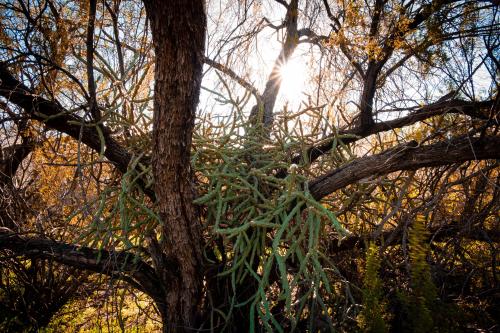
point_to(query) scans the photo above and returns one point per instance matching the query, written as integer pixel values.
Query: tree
(238, 223)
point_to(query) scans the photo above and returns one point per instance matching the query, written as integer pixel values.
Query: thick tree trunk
(178, 29)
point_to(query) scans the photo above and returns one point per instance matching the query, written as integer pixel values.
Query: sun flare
(293, 75)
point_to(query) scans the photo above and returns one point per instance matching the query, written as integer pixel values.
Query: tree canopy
(258, 165)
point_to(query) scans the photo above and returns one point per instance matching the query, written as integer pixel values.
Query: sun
(293, 76)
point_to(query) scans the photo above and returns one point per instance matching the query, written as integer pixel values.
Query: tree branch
(274, 80)
(56, 117)
(229, 72)
(94, 108)
(117, 264)
(406, 157)
(478, 110)
(393, 237)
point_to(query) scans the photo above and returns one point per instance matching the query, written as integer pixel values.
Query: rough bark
(406, 157)
(367, 97)
(178, 30)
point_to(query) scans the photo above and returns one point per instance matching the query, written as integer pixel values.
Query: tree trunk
(178, 30)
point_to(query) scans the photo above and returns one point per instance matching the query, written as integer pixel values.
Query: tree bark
(476, 110)
(409, 156)
(178, 30)
(273, 83)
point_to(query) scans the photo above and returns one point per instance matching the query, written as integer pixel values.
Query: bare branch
(94, 109)
(120, 265)
(56, 117)
(479, 110)
(229, 72)
(393, 237)
(409, 156)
